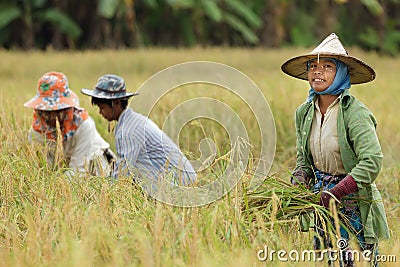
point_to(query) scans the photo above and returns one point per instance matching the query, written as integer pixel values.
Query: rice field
(47, 219)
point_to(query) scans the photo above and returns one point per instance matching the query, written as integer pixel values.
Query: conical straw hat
(330, 47)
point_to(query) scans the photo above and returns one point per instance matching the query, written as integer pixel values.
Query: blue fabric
(340, 83)
(350, 215)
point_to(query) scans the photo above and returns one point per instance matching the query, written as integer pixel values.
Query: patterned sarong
(350, 216)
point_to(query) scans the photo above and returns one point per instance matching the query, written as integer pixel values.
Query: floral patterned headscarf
(73, 119)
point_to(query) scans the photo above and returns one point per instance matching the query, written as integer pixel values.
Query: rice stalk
(279, 202)
(59, 150)
(292, 200)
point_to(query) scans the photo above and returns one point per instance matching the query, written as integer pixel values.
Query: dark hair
(96, 101)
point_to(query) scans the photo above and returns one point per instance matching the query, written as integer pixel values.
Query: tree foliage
(91, 24)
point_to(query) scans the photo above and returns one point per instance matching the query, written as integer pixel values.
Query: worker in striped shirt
(143, 149)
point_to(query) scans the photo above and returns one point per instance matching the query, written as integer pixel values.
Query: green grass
(48, 220)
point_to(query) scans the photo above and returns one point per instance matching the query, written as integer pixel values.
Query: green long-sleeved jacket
(361, 155)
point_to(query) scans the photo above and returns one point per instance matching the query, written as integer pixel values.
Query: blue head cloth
(340, 83)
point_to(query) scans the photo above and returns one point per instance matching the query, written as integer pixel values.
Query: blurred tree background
(96, 24)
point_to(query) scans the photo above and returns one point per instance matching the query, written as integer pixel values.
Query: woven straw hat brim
(104, 95)
(359, 71)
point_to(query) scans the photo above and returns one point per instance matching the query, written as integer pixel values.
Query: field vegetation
(47, 219)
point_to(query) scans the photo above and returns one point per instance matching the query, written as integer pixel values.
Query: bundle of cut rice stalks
(278, 201)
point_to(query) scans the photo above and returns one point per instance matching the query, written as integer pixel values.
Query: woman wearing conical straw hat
(338, 151)
(82, 148)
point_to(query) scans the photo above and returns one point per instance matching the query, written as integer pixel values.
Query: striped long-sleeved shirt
(146, 151)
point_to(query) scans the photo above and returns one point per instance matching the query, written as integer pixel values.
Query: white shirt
(85, 145)
(324, 143)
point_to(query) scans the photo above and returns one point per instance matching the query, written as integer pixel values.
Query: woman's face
(321, 74)
(51, 116)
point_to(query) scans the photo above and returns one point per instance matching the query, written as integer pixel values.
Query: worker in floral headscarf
(84, 150)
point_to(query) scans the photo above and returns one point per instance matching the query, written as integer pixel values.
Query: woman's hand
(345, 187)
(299, 177)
